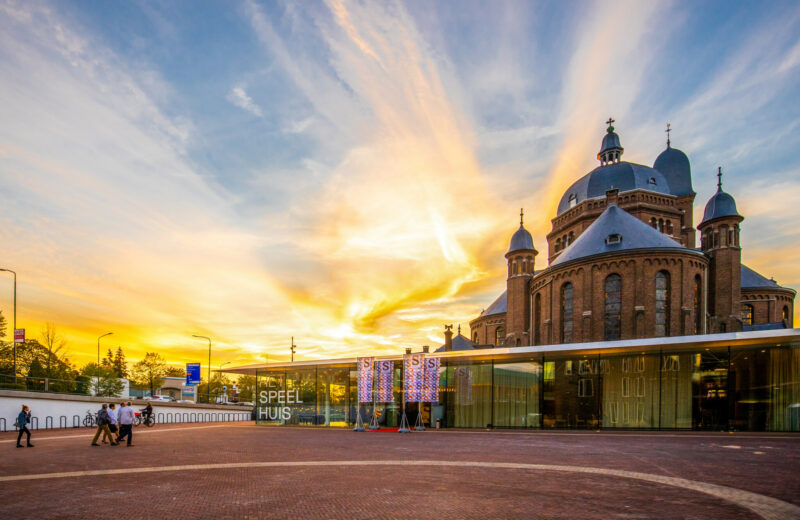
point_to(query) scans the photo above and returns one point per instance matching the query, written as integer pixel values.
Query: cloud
(238, 97)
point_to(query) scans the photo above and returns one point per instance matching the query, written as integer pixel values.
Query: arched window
(558, 244)
(475, 338)
(660, 225)
(499, 336)
(566, 313)
(747, 314)
(785, 313)
(669, 227)
(537, 319)
(613, 307)
(698, 304)
(571, 238)
(573, 200)
(662, 304)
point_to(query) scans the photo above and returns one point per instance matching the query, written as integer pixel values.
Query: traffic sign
(19, 335)
(192, 374)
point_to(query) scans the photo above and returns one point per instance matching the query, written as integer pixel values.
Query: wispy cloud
(238, 97)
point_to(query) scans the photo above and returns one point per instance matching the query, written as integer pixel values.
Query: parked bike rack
(193, 416)
(48, 423)
(185, 417)
(160, 417)
(35, 423)
(76, 421)
(169, 417)
(3, 424)
(62, 421)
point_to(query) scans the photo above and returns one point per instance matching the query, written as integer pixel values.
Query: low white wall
(60, 410)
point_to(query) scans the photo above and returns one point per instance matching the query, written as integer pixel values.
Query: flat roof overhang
(671, 344)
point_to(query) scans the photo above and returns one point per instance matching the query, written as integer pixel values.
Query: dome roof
(720, 205)
(623, 176)
(521, 240)
(674, 164)
(616, 230)
(610, 142)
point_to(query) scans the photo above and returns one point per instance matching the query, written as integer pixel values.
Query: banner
(365, 379)
(463, 377)
(414, 367)
(385, 371)
(430, 382)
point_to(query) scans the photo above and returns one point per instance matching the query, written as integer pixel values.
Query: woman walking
(23, 419)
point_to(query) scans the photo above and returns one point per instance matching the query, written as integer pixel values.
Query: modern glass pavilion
(745, 381)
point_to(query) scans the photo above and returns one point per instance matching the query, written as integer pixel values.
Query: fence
(161, 418)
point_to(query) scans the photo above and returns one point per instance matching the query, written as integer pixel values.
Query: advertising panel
(385, 372)
(414, 371)
(430, 383)
(365, 376)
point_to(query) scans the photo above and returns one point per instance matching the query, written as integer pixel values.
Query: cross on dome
(520, 216)
(719, 178)
(668, 130)
(609, 123)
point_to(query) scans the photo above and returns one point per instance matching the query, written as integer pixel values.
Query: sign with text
(273, 403)
(430, 381)
(385, 371)
(414, 367)
(19, 335)
(192, 373)
(365, 375)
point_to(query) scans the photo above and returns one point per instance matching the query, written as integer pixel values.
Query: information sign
(192, 373)
(19, 335)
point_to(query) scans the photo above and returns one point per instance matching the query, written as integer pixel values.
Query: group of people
(115, 425)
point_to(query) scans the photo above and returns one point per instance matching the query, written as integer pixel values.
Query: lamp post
(98, 347)
(208, 385)
(14, 332)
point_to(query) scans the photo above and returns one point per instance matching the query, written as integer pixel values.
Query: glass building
(745, 381)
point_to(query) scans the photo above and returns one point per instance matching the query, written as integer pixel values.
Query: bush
(12, 386)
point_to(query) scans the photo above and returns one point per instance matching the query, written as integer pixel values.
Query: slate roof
(499, 306)
(751, 279)
(764, 326)
(521, 240)
(623, 176)
(674, 164)
(459, 343)
(634, 234)
(720, 205)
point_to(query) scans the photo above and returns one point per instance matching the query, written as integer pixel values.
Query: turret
(720, 243)
(521, 256)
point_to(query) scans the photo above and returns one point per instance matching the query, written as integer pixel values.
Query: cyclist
(147, 412)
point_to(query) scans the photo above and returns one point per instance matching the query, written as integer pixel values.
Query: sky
(350, 173)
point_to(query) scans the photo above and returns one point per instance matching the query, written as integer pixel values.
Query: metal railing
(169, 418)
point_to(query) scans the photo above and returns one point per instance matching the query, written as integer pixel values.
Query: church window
(499, 336)
(475, 338)
(698, 307)
(571, 237)
(573, 200)
(660, 225)
(613, 238)
(715, 239)
(613, 307)
(662, 304)
(669, 227)
(785, 313)
(558, 244)
(537, 319)
(653, 223)
(566, 313)
(730, 237)
(652, 181)
(747, 314)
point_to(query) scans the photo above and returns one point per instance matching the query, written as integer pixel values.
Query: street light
(14, 333)
(208, 386)
(98, 347)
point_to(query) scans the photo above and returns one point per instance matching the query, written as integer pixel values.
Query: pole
(98, 346)
(208, 386)
(292, 348)
(14, 332)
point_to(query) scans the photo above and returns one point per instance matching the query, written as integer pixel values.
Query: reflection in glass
(516, 394)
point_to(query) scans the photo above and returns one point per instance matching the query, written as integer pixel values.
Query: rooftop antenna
(668, 130)
(292, 348)
(520, 216)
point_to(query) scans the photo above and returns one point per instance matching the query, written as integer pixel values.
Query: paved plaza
(244, 471)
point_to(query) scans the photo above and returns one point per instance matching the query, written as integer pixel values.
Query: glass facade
(750, 388)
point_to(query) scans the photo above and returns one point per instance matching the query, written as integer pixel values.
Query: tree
(120, 365)
(54, 342)
(104, 381)
(217, 382)
(173, 371)
(247, 388)
(149, 371)
(3, 325)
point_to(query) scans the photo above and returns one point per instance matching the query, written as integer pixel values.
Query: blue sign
(192, 373)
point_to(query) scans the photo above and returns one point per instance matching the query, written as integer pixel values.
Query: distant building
(623, 263)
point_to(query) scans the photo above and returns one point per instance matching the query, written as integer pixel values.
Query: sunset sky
(350, 173)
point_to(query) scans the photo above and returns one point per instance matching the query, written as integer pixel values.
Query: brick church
(623, 263)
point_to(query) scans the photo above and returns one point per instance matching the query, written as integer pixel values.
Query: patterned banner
(463, 376)
(385, 371)
(365, 379)
(414, 368)
(430, 383)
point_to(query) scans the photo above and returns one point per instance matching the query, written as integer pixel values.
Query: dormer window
(613, 238)
(573, 200)
(652, 181)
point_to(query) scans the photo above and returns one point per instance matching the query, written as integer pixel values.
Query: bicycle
(150, 422)
(90, 419)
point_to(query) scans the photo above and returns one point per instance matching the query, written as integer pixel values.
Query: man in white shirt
(113, 420)
(126, 415)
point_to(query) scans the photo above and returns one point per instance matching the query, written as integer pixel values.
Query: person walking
(112, 418)
(126, 415)
(23, 419)
(102, 427)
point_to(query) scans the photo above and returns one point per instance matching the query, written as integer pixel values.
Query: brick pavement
(763, 464)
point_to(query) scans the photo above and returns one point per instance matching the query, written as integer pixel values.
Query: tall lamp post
(98, 346)
(14, 332)
(208, 385)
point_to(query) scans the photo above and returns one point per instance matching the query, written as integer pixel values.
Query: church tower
(521, 257)
(720, 243)
(674, 165)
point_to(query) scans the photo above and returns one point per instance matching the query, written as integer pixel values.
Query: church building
(623, 263)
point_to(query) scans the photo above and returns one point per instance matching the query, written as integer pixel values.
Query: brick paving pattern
(761, 464)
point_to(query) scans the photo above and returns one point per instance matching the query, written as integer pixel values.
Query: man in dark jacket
(23, 419)
(102, 427)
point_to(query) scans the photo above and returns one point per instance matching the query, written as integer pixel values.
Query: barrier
(160, 417)
(34, 423)
(169, 417)
(193, 416)
(76, 421)
(3, 424)
(48, 423)
(62, 421)
(185, 417)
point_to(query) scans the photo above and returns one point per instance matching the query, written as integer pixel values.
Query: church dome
(674, 164)
(721, 204)
(521, 240)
